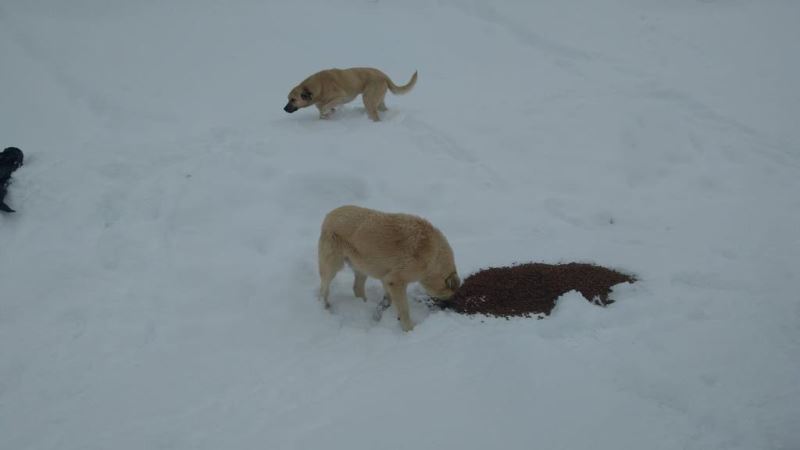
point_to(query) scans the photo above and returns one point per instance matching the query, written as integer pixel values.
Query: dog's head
(441, 280)
(442, 287)
(11, 157)
(300, 97)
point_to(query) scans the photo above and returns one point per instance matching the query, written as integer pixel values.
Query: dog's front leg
(385, 303)
(397, 294)
(359, 285)
(327, 109)
(324, 113)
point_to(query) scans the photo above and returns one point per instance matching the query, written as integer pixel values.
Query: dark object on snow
(532, 288)
(10, 160)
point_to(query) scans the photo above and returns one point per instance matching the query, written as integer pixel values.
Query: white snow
(158, 283)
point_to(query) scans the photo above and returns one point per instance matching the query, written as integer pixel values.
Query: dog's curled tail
(398, 90)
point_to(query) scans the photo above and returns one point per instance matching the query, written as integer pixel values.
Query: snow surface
(158, 284)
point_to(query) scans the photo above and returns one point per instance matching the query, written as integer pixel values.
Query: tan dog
(331, 88)
(397, 249)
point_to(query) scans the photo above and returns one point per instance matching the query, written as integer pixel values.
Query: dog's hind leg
(359, 284)
(372, 112)
(327, 271)
(382, 106)
(373, 97)
(331, 262)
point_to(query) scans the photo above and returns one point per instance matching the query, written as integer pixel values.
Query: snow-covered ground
(158, 284)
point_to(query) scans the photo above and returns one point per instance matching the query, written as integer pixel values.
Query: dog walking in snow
(397, 249)
(330, 88)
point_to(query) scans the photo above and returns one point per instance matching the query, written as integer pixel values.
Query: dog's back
(344, 220)
(377, 243)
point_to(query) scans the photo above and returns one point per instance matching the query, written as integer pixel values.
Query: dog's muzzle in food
(290, 108)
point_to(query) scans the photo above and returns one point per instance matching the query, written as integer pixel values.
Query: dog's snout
(290, 108)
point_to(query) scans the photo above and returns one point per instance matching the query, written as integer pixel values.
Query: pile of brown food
(532, 289)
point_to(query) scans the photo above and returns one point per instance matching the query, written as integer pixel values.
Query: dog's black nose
(290, 108)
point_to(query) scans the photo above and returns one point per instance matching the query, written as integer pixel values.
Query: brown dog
(331, 88)
(397, 249)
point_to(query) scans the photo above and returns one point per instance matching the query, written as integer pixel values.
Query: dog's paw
(382, 306)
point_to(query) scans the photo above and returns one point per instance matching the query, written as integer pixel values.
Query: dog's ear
(306, 95)
(452, 281)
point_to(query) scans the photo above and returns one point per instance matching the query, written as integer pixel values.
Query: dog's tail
(398, 90)
(327, 248)
(331, 260)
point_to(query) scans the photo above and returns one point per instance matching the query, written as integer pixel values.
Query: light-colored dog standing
(397, 249)
(333, 87)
